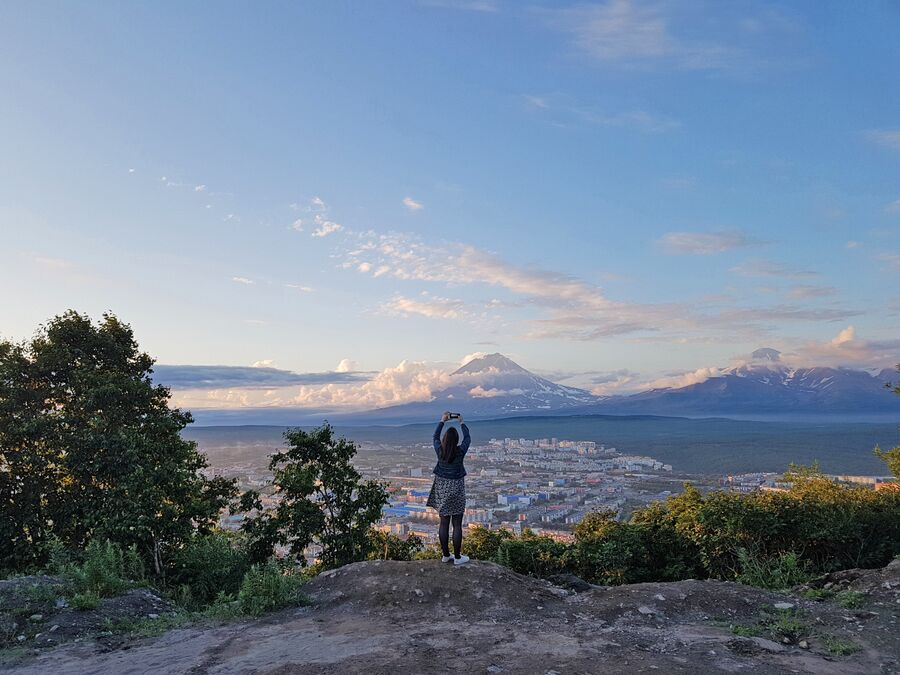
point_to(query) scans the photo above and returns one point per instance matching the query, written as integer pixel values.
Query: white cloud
(845, 336)
(325, 227)
(364, 267)
(848, 349)
(888, 138)
(346, 366)
(705, 243)
(852, 244)
(199, 188)
(243, 280)
(297, 225)
(412, 204)
(471, 357)
(430, 307)
(893, 207)
(265, 363)
(685, 379)
(299, 287)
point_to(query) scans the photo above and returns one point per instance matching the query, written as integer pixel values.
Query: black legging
(444, 534)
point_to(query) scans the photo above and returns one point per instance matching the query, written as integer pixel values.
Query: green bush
(206, 566)
(85, 601)
(481, 543)
(778, 572)
(268, 587)
(532, 554)
(105, 569)
(769, 539)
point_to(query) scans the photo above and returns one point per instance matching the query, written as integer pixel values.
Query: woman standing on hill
(448, 493)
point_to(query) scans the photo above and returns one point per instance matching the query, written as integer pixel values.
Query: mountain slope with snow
(766, 386)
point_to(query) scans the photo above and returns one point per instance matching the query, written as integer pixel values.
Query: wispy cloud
(412, 204)
(261, 376)
(487, 6)
(243, 280)
(298, 287)
(893, 207)
(566, 308)
(429, 306)
(633, 32)
(769, 268)
(705, 243)
(811, 291)
(651, 34)
(892, 260)
(888, 138)
(564, 111)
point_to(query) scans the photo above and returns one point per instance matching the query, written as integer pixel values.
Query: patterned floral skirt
(448, 496)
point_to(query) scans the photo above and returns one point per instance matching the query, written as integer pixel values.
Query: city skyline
(351, 200)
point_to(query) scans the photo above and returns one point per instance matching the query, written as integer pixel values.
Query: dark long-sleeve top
(454, 469)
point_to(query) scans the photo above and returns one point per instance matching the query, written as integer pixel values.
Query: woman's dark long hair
(449, 445)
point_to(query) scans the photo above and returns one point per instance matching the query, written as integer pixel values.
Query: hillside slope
(425, 617)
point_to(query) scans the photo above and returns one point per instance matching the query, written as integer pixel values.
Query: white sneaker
(446, 558)
(461, 560)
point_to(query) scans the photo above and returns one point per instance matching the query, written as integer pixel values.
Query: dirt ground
(384, 618)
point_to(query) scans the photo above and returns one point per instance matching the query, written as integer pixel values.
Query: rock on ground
(424, 617)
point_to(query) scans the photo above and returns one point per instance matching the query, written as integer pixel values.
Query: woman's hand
(445, 416)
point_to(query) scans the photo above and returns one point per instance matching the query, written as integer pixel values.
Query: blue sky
(610, 193)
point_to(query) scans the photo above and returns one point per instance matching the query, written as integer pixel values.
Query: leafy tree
(323, 500)
(386, 546)
(483, 544)
(89, 448)
(891, 457)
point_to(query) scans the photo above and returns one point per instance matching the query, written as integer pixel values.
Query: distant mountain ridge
(765, 385)
(495, 386)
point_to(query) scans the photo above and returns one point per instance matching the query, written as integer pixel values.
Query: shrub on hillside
(386, 546)
(483, 544)
(268, 587)
(779, 572)
(532, 554)
(106, 569)
(206, 566)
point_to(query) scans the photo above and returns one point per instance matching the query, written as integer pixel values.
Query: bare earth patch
(425, 617)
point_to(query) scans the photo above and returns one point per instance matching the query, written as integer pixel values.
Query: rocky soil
(425, 617)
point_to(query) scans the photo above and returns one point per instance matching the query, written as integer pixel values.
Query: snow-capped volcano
(494, 385)
(767, 386)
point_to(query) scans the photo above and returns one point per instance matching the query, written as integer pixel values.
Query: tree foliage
(89, 448)
(322, 500)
